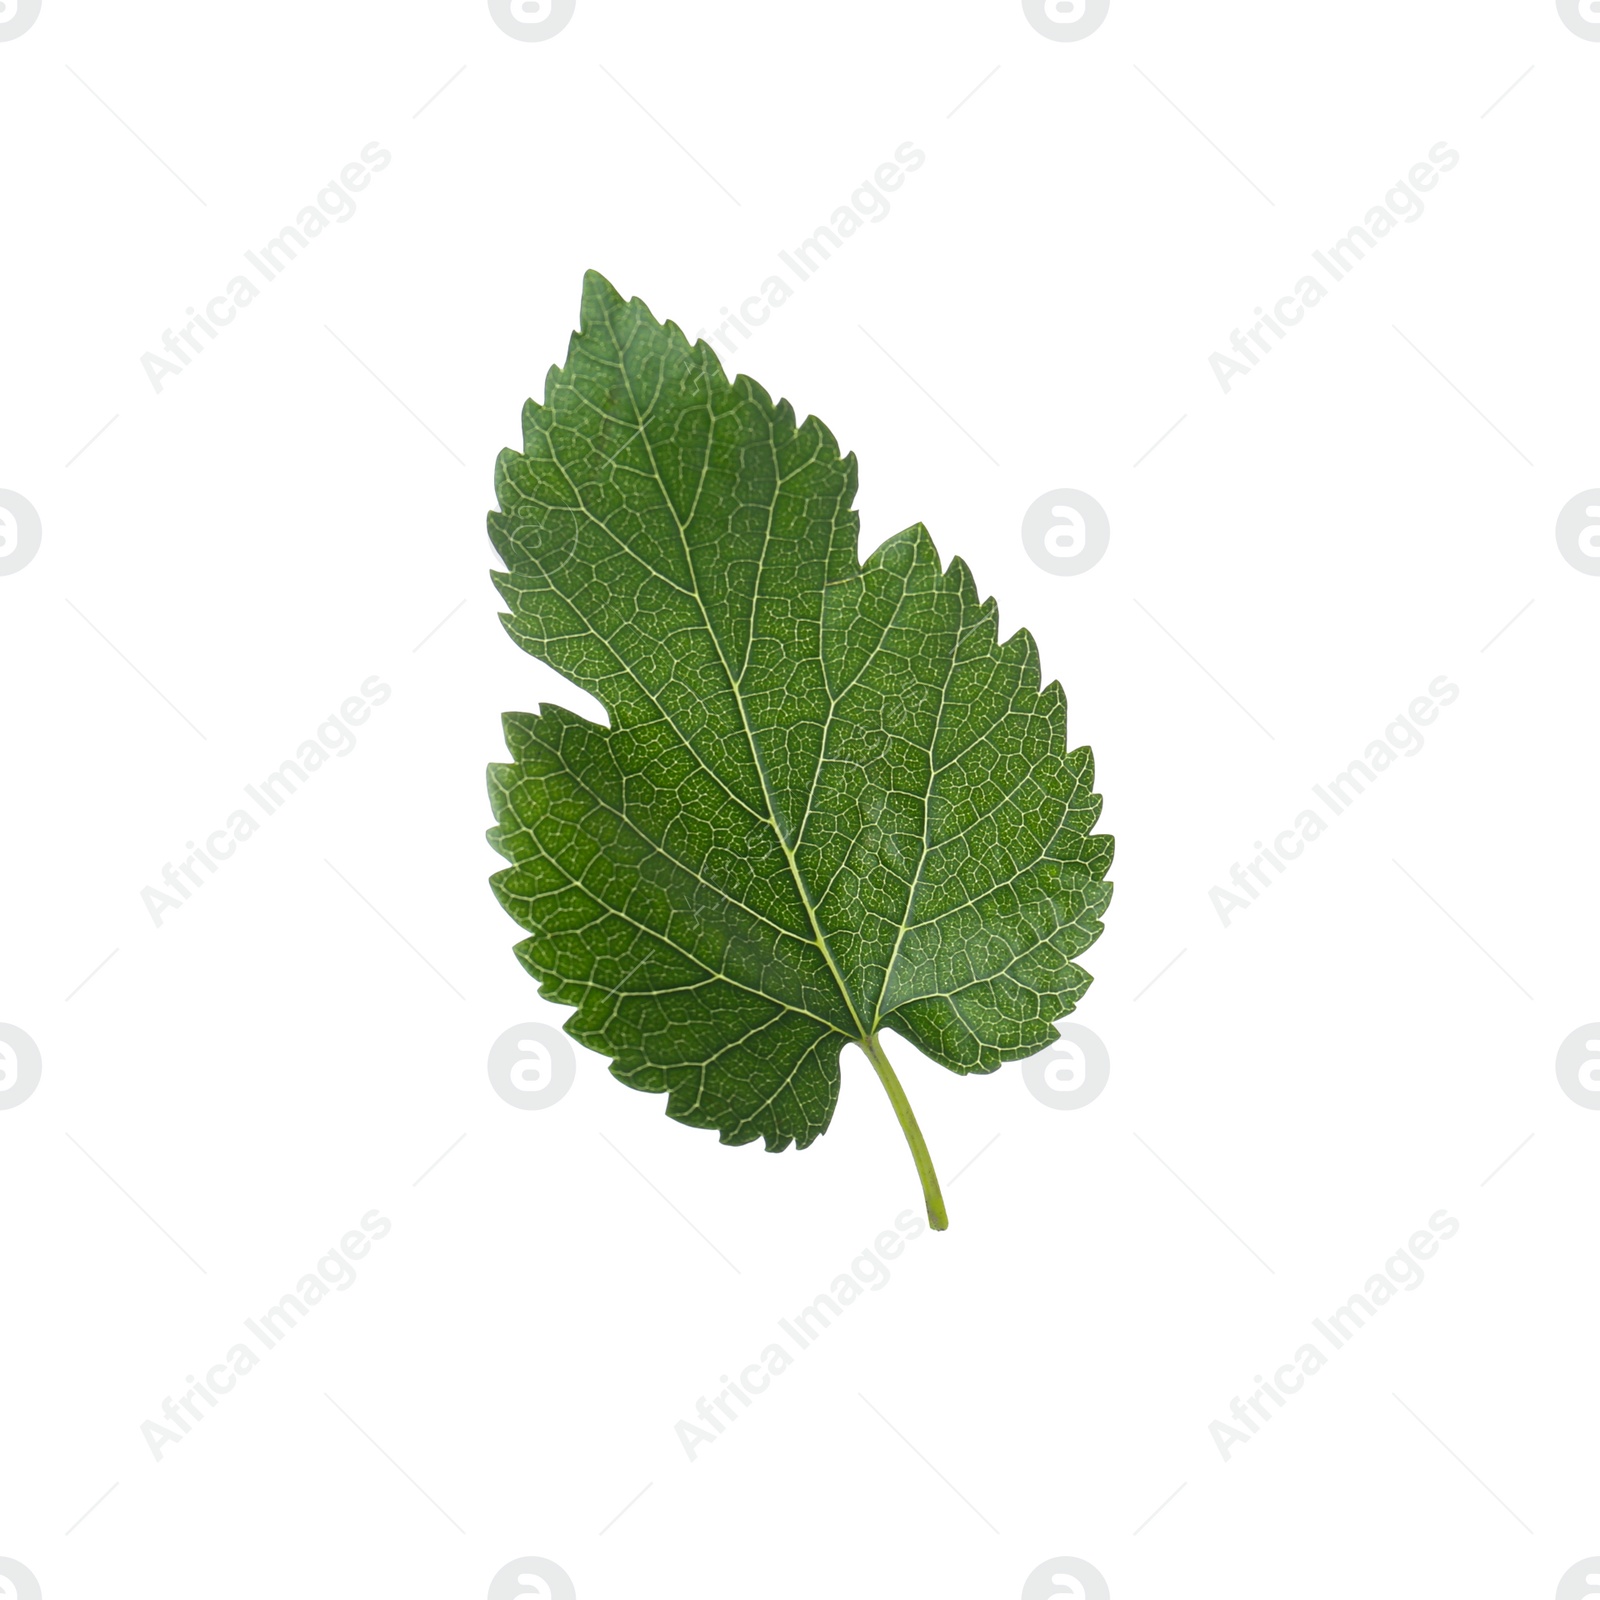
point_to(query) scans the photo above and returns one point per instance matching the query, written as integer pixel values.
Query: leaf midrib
(862, 1033)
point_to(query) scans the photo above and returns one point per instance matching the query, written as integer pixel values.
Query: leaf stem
(908, 1126)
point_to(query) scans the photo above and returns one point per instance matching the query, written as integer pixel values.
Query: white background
(1290, 1099)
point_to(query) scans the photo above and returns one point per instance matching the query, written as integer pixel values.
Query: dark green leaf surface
(830, 799)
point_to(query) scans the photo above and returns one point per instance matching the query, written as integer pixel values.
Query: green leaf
(830, 800)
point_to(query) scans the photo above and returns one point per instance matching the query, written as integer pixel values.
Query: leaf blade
(829, 800)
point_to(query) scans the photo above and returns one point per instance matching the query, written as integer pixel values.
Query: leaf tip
(598, 294)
